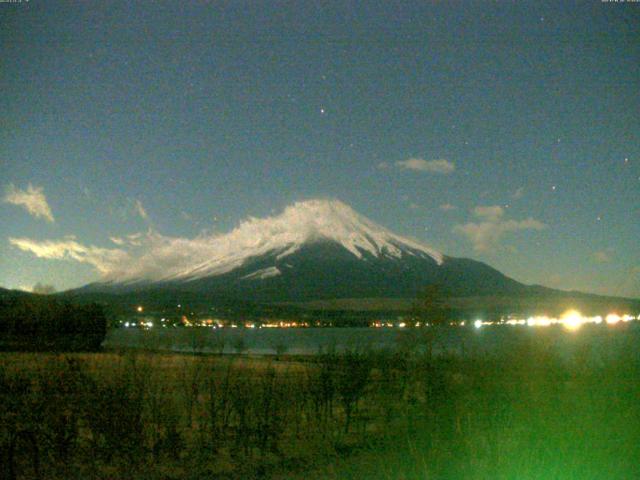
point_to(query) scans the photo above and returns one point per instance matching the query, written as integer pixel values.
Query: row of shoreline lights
(571, 320)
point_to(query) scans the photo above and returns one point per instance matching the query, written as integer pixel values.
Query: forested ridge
(42, 322)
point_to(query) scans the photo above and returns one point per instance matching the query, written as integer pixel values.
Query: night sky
(508, 133)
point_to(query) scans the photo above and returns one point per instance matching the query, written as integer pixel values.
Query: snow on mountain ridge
(281, 235)
(263, 273)
(300, 223)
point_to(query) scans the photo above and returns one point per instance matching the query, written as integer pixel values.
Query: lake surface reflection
(598, 341)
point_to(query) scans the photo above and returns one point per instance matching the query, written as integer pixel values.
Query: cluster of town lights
(571, 320)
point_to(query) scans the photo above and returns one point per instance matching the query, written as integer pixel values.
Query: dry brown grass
(521, 412)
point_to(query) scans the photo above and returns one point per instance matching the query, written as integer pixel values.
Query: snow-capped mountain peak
(304, 222)
(313, 250)
(334, 220)
(300, 223)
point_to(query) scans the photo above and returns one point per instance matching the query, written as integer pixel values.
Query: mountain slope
(315, 250)
(324, 269)
(300, 224)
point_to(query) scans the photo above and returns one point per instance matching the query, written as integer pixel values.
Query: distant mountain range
(322, 254)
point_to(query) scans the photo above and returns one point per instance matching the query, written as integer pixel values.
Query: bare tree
(431, 308)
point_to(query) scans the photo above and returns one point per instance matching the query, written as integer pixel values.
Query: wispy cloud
(153, 256)
(133, 240)
(32, 199)
(103, 259)
(140, 255)
(491, 227)
(491, 213)
(429, 166)
(140, 210)
(118, 240)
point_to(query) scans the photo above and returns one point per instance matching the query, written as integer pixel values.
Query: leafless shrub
(218, 404)
(352, 377)
(192, 371)
(114, 410)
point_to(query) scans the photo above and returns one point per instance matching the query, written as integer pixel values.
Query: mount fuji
(316, 250)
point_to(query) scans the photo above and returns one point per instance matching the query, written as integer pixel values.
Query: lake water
(599, 340)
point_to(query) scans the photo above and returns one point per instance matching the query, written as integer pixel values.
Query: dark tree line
(431, 306)
(32, 322)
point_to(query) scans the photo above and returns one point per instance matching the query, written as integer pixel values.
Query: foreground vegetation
(527, 411)
(30, 322)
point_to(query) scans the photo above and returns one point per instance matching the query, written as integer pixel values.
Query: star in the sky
(322, 111)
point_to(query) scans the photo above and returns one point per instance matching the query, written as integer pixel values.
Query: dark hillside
(40, 322)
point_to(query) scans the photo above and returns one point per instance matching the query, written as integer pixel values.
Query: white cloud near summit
(153, 256)
(428, 166)
(103, 259)
(140, 210)
(32, 199)
(148, 255)
(486, 233)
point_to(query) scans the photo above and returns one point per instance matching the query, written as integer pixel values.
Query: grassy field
(524, 412)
